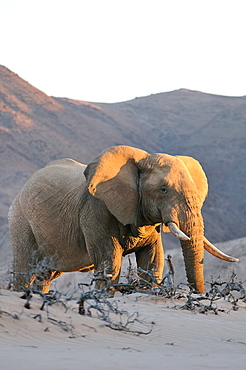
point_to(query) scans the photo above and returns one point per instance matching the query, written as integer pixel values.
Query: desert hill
(36, 129)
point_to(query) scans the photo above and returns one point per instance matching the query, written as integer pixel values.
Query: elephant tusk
(176, 231)
(217, 253)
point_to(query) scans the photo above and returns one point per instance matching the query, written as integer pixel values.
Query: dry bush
(100, 302)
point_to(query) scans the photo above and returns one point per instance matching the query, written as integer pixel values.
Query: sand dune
(178, 338)
(59, 338)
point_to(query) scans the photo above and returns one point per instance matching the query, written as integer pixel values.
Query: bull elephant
(87, 217)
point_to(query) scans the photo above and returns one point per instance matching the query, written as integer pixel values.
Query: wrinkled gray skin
(72, 217)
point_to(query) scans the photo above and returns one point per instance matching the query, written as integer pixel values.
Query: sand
(58, 337)
(166, 336)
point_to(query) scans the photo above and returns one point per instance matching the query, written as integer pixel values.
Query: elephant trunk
(193, 250)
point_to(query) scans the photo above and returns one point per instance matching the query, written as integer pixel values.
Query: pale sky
(112, 50)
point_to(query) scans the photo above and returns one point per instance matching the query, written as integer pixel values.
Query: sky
(113, 50)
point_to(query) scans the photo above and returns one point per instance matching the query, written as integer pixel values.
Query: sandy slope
(59, 338)
(179, 338)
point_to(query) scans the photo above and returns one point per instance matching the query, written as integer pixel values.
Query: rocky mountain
(36, 129)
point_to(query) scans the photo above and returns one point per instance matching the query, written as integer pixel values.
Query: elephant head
(143, 189)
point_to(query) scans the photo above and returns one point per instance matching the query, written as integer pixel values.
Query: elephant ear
(198, 176)
(113, 178)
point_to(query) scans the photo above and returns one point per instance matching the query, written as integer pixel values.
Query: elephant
(73, 217)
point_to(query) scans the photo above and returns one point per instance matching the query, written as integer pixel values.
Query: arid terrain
(36, 129)
(135, 331)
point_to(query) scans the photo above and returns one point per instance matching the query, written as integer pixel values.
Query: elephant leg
(43, 281)
(107, 263)
(105, 279)
(29, 265)
(151, 259)
(24, 248)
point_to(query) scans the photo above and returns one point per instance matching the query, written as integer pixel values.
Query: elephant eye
(163, 189)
